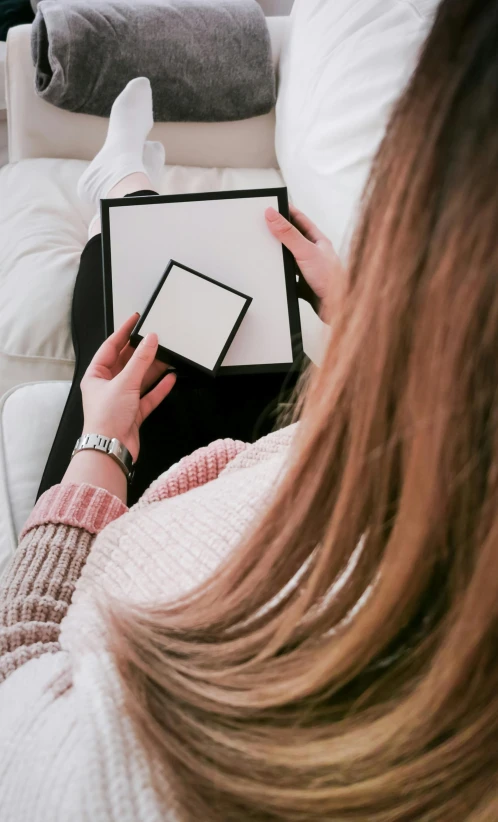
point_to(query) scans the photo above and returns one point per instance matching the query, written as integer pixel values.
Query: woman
(337, 659)
(200, 409)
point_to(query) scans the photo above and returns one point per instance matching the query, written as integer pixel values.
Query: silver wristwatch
(111, 446)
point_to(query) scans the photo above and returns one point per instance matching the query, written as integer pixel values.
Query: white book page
(193, 317)
(227, 240)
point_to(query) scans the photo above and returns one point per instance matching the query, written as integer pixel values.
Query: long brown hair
(266, 699)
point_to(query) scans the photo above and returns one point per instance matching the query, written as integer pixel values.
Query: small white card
(195, 317)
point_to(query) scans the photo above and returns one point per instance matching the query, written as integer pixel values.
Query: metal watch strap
(110, 446)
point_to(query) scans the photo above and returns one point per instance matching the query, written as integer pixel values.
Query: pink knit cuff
(79, 506)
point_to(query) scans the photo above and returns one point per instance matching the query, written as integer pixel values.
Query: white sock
(153, 160)
(125, 150)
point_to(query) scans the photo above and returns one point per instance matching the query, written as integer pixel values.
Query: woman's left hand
(314, 254)
(115, 386)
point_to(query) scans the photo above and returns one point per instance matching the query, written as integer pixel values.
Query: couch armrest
(38, 129)
(25, 442)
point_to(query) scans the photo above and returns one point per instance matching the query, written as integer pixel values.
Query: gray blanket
(207, 60)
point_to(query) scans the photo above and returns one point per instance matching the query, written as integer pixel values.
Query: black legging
(200, 409)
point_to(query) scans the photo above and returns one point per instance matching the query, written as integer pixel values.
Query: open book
(222, 235)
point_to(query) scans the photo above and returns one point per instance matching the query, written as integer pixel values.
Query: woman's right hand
(121, 387)
(116, 388)
(314, 254)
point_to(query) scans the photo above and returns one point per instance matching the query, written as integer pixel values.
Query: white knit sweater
(67, 750)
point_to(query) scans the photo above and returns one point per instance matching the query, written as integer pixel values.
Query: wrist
(112, 431)
(110, 446)
(105, 429)
(97, 469)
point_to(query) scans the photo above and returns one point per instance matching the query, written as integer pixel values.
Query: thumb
(140, 362)
(302, 249)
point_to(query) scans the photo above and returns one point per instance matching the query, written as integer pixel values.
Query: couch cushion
(43, 229)
(3, 112)
(343, 65)
(4, 140)
(3, 55)
(29, 416)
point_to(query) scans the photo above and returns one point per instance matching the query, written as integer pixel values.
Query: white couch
(340, 67)
(4, 154)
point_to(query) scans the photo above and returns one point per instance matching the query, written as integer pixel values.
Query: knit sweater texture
(67, 747)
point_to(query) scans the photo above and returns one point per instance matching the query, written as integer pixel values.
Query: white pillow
(342, 68)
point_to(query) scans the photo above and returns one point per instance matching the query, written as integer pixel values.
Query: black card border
(171, 357)
(290, 268)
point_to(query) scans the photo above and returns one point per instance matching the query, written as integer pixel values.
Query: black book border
(290, 268)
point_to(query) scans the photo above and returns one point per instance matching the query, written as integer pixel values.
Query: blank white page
(227, 240)
(193, 317)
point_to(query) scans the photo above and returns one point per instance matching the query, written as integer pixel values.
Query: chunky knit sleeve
(37, 587)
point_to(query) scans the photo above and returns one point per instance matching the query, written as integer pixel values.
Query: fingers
(111, 348)
(153, 375)
(306, 226)
(156, 370)
(136, 368)
(291, 237)
(124, 357)
(157, 395)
